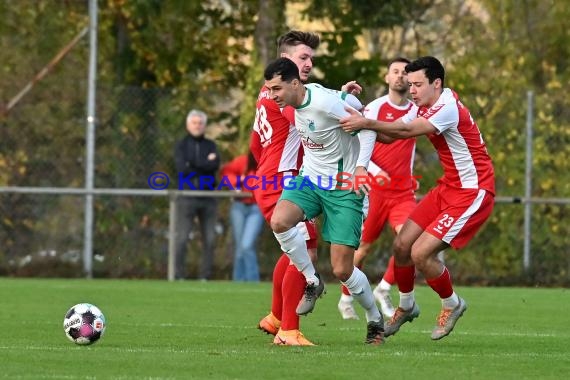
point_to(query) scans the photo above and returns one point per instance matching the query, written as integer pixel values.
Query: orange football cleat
(269, 324)
(291, 338)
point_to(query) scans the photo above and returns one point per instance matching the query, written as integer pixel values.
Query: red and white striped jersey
(274, 141)
(397, 158)
(459, 144)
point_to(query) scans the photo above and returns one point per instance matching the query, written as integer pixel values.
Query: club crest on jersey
(311, 125)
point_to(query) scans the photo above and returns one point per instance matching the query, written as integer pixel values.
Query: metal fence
(75, 157)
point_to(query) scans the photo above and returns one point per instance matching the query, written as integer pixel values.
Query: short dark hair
(296, 37)
(284, 67)
(432, 67)
(398, 59)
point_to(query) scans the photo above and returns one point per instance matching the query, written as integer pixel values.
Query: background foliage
(158, 59)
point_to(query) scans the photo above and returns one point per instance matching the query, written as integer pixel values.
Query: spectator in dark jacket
(197, 158)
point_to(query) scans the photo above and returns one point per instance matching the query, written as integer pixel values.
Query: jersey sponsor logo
(389, 116)
(310, 144)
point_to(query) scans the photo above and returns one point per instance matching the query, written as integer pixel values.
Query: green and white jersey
(329, 152)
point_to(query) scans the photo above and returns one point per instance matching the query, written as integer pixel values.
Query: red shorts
(382, 209)
(453, 215)
(267, 196)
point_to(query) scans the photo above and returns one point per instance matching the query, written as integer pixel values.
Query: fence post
(90, 142)
(171, 236)
(528, 183)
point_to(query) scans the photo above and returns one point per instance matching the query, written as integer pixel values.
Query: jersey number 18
(262, 126)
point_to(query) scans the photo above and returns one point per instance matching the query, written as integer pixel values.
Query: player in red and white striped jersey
(453, 211)
(392, 199)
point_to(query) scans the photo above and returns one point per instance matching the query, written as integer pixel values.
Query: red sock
(293, 288)
(405, 277)
(278, 275)
(389, 276)
(442, 284)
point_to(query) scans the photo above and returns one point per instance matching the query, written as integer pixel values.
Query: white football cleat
(383, 297)
(347, 311)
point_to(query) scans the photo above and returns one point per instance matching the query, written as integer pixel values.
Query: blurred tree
(158, 59)
(498, 52)
(46, 123)
(268, 27)
(193, 49)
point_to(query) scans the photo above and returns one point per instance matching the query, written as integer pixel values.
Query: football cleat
(309, 299)
(346, 310)
(400, 317)
(291, 338)
(383, 297)
(269, 324)
(375, 333)
(447, 319)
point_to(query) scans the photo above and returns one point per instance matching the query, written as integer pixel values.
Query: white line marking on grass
(313, 351)
(191, 325)
(515, 355)
(514, 334)
(483, 333)
(351, 329)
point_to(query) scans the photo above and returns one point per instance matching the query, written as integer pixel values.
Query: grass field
(182, 330)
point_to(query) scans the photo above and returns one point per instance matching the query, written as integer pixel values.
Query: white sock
(294, 246)
(384, 285)
(345, 298)
(407, 300)
(451, 302)
(361, 291)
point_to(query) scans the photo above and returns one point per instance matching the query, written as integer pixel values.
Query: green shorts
(341, 209)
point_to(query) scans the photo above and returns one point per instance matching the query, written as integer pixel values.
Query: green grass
(161, 330)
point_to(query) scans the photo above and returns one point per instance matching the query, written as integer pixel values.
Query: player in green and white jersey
(332, 183)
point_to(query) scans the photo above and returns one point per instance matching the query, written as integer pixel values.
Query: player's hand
(352, 88)
(354, 122)
(360, 181)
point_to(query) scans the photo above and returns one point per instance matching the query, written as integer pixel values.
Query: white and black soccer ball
(84, 324)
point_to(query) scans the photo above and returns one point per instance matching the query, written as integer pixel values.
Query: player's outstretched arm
(354, 122)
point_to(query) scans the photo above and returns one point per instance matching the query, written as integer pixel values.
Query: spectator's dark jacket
(191, 157)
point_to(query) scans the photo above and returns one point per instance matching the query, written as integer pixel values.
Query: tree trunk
(270, 17)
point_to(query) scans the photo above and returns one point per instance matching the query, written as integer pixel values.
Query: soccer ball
(84, 324)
